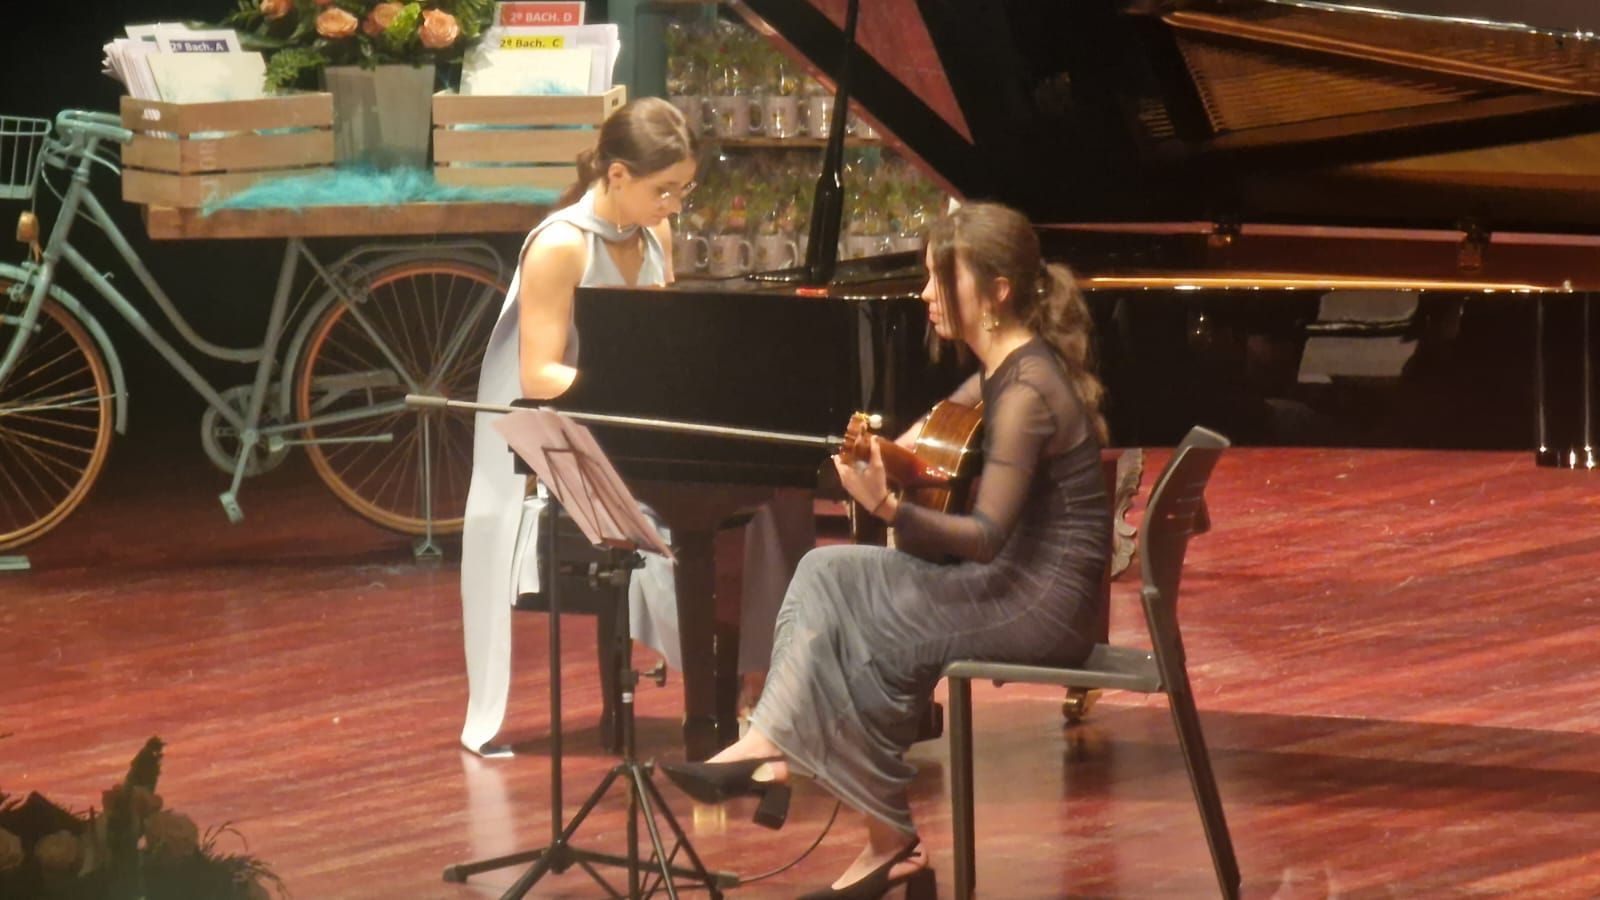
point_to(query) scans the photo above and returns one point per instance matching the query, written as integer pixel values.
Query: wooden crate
(516, 141)
(188, 154)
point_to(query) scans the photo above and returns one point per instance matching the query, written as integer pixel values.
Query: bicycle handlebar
(73, 123)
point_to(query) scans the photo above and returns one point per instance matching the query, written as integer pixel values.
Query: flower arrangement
(301, 36)
(134, 849)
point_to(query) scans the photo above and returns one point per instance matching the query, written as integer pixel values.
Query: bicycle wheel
(422, 326)
(55, 426)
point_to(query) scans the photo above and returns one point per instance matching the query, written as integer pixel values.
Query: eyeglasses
(681, 194)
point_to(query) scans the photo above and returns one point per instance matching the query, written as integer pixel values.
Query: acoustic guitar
(936, 473)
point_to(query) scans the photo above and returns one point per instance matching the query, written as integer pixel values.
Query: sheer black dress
(864, 632)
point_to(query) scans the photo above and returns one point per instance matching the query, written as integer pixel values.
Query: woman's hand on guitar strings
(867, 482)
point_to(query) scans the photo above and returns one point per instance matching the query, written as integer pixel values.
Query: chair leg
(1193, 744)
(961, 787)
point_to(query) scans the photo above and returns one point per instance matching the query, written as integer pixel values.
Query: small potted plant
(379, 59)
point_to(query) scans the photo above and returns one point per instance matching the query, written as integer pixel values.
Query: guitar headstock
(858, 432)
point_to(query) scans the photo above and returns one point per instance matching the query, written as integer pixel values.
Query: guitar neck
(906, 469)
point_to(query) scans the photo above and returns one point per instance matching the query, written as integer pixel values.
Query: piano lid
(1388, 113)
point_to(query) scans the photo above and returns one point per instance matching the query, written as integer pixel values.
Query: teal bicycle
(345, 340)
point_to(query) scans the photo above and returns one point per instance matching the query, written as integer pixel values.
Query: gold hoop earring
(988, 320)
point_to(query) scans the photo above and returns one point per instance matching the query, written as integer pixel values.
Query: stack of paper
(174, 63)
(521, 60)
(125, 61)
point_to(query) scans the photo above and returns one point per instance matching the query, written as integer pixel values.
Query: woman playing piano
(611, 229)
(864, 632)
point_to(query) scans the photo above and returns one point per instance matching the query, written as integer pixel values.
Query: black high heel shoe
(919, 883)
(712, 782)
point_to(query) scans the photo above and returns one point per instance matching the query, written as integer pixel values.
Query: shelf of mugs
(766, 120)
(751, 212)
(763, 143)
(733, 85)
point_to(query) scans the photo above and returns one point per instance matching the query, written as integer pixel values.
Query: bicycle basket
(21, 139)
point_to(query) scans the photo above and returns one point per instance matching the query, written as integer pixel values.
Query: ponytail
(646, 135)
(994, 242)
(589, 171)
(1061, 316)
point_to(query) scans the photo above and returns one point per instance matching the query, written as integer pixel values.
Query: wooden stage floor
(1396, 657)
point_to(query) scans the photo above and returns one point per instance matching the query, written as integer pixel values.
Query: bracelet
(879, 505)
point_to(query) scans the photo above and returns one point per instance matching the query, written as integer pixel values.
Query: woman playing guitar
(865, 631)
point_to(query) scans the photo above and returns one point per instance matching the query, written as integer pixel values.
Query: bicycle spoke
(55, 422)
(399, 447)
(431, 319)
(397, 336)
(24, 440)
(47, 465)
(24, 377)
(28, 414)
(364, 450)
(32, 512)
(409, 335)
(358, 353)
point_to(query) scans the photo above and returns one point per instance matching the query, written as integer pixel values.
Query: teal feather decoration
(357, 186)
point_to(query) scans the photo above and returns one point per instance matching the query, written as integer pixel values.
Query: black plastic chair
(1176, 511)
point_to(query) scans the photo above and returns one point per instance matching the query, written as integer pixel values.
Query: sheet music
(615, 493)
(571, 465)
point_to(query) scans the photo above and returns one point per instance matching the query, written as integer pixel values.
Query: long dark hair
(995, 242)
(646, 135)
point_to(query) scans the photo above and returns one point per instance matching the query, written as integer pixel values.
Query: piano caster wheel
(658, 674)
(1078, 703)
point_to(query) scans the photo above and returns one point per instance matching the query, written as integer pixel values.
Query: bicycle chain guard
(221, 440)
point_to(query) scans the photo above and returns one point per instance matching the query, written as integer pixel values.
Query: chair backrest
(1176, 511)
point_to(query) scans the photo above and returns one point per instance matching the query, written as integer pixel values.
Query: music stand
(578, 475)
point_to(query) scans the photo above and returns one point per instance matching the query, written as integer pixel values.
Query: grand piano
(1299, 222)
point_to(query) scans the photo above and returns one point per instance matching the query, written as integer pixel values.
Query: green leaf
(403, 30)
(288, 64)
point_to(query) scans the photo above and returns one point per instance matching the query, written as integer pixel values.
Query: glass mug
(732, 116)
(782, 116)
(730, 255)
(819, 114)
(857, 127)
(693, 107)
(775, 251)
(906, 243)
(691, 253)
(857, 246)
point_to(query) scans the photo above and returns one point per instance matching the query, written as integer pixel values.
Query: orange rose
(378, 20)
(334, 23)
(276, 9)
(439, 29)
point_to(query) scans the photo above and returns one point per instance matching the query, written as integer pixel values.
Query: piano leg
(708, 638)
(697, 633)
(1564, 382)
(728, 606)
